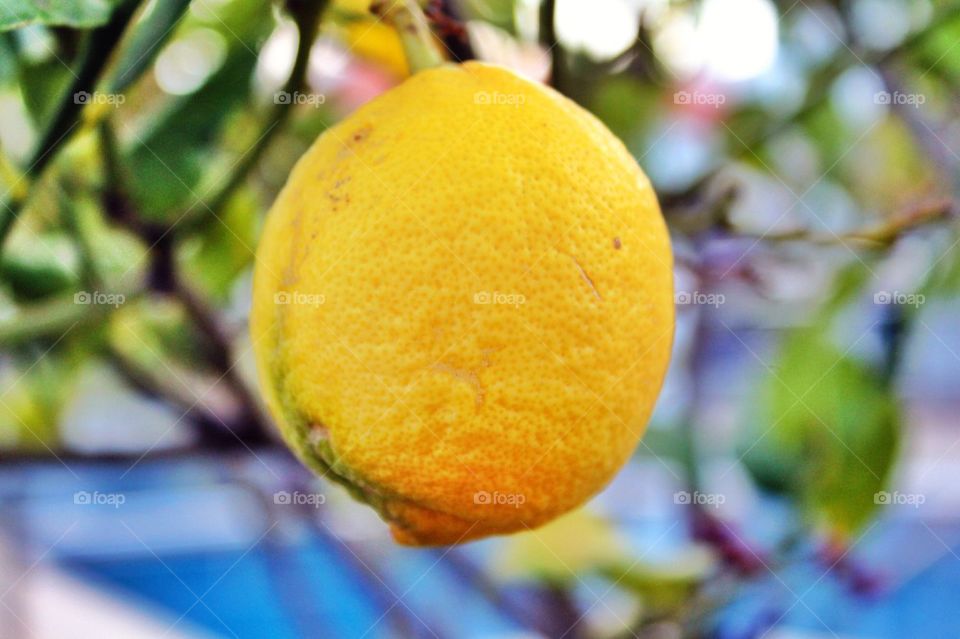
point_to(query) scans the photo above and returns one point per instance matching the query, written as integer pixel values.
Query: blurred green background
(798, 477)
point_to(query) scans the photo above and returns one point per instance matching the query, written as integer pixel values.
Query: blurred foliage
(563, 550)
(79, 13)
(130, 216)
(827, 433)
(169, 158)
(38, 267)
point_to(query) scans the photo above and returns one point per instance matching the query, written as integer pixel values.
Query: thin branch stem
(159, 385)
(222, 358)
(877, 236)
(408, 19)
(251, 423)
(548, 38)
(50, 320)
(100, 46)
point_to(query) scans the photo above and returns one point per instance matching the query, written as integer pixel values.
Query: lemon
(368, 37)
(463, 305)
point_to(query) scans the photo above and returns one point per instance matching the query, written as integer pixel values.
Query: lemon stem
(419, 45)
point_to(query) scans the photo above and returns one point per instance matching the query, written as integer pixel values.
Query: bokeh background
(799, 477)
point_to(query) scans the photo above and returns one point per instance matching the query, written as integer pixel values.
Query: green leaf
(35, 392)
(562, 550)
(118, 260)
(825, 434)
(624, 105)
(8, 59)
(664, 588)
(224, 247)
(168, 163)
(147, 38)
(38, 266)
(174, 156)
(80, 14)
(497, 12)
(43, 80)
(155, 333)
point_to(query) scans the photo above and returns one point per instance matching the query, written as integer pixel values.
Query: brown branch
(249, 422)
(449, 26)
(880, 235)
(222, 358)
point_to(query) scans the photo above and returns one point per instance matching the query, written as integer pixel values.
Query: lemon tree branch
(102, 42)
(407, 17)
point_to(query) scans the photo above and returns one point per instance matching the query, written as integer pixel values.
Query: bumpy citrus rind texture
(463, 305)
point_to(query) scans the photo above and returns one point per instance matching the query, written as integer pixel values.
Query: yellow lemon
(463, 305)
(368, 37)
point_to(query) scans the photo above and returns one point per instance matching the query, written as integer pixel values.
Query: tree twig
(879, 235)
(222, 358)
(101, 44)
(548, 38)
(448, 25)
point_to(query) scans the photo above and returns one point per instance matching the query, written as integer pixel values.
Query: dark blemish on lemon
(586, 278)
(616, 243)
(333, 193)
(361, 134)
(318, 433)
